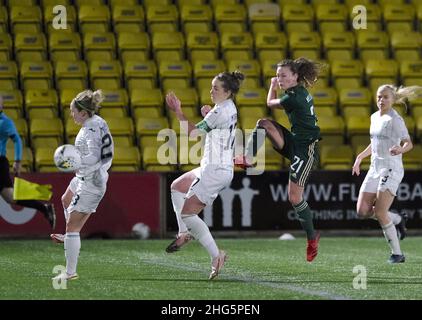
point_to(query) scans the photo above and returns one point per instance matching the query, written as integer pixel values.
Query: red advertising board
(130, 198)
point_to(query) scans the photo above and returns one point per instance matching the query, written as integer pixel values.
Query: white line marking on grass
(249, 279)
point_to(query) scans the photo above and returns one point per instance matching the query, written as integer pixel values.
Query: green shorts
(303, 155)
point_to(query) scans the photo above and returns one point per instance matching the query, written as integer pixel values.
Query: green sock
(255, 141)
(304, 214)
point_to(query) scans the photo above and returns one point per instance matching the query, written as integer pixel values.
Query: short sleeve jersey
(299, 107)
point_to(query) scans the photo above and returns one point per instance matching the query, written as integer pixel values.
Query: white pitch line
(249, 279)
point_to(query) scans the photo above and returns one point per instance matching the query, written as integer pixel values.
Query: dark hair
(307, 70)
(231, 81)
(89, 101)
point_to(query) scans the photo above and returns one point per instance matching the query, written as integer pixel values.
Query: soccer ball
(141, 230)
(67, 158)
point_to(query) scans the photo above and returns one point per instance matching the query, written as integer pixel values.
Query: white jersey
(386, 131)
(221, 124)
(96, 146)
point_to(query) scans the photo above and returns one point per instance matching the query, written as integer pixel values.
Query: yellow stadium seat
(305, 43)
(270, 27)
(329, 15)
(44, 160)
(250, 96)
(8, 75)
(332, 128)
(94, 18)
(341, 69)
(413, 158)
(237, 43)
(372, 45)
(381, 71)
(193, 13)
(207, 69)
(12, 113)
(410, 124)
(355, 97)
(64, 46)
(50, 142)
(250, 68)
(406, 45)
(45, 3)
(133, 46)
(189, 27)
(339, 44)
(175, 124)
(398, 13)
(188, 96)
(265, 14)
(46, 128)
(161, 161)
(281, 117)
(12, 99)
(275, 41)
(22, 128)
(205, 97)
(230, 13)
(41, 99)
(269, 69)
(122, 126)
(172, 42)
(23, 18)
(27, 160)
(352, 111)
(324, 97)
(71, 130)
(80, 3)
(134, 71)
(198, 42)
(126, 159)
(71, 75)
(163, 14)
(128, 17)
(247, 123)
(36, 75)
(358, 125)
(99, 46)
(5, 46)
(146, 98)
(339, 156)
(252, 111)
(175, 70)
(373, 14)
(4, 20)
(50, 14)
(105, 74)
(150, 126)
(30, 45)
(147, 113)
(117, 100)
(297, 17)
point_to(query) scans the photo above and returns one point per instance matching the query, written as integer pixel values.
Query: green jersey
(299, 106)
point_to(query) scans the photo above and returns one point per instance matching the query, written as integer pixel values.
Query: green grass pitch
(259, 269)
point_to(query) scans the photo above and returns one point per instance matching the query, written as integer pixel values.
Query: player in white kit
(87, 188)
(197, 188)
(389, 140)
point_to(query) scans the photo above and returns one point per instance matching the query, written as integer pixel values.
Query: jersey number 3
(106, 143)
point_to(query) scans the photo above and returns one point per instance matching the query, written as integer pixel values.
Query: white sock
(390, 234)
(201, 232)
(72, 245)
(395, 218)
(178, 200)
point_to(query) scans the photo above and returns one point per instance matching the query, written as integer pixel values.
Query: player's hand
(205, 109)
(17, 168)
(356, 167)
(173, 102)
(274, 82)
(395, 150)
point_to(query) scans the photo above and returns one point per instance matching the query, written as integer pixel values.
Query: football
(141, 230)
(67, 158)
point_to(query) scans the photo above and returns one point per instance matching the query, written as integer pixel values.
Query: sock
(38, 205)
(254, 143)
(201, 232)
(304, 215)
(72, 245)
(178, 200)
(390, 234)
(395, 218)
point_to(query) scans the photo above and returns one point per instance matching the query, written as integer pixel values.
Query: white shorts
(209, 182)
(87, 193)
(387, 179)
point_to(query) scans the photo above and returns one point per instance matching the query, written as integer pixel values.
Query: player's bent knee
(364, 213)
(263, 123)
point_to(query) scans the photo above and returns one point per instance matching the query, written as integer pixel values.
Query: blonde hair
(89, 101)
(402, 94)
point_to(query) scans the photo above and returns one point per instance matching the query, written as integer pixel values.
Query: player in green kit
(298, 145)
